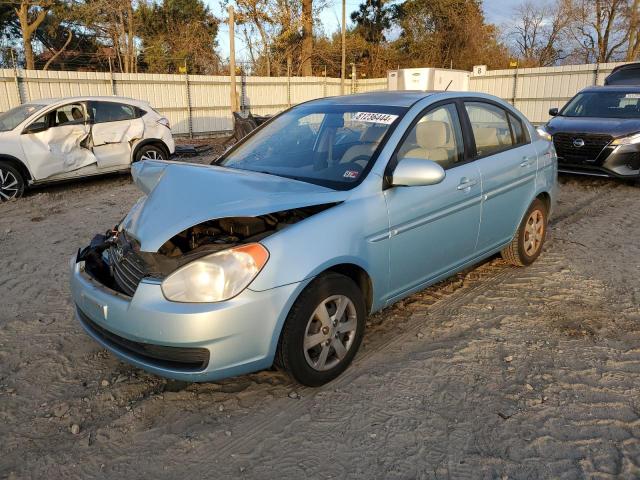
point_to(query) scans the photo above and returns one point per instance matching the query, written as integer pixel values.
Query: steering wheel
(358, 158)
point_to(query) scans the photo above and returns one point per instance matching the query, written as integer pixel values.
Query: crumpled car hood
(181, 195)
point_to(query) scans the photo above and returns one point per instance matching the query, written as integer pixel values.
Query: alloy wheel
(9, 185)
(330, 332)
(534, 232)
(152, 155)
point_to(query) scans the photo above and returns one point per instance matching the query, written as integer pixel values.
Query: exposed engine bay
(116, 261)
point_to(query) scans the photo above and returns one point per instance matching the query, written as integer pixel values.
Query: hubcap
(330, 332)
(534, 232)
(152, 155)
(9, 185)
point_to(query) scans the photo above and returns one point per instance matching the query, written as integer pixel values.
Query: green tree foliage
(372, 19)
(444, 33)
(175, 31)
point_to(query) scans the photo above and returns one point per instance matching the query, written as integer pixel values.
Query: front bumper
(623, 162)
(148, 331)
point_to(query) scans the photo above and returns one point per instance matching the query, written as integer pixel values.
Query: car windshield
(603, 105)
(14, 117)
(329, 145)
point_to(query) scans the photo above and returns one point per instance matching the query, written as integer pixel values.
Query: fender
(149, 141)
(20, 165)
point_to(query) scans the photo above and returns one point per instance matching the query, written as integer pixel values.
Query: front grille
(186, 359)
(127, 266)
(593, 151)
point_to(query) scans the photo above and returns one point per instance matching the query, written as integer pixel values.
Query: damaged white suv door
(115, 127)
(51, 140)
(57, 142)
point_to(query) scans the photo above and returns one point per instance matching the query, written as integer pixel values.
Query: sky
(496, 11)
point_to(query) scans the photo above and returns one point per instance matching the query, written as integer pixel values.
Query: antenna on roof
(450, 82)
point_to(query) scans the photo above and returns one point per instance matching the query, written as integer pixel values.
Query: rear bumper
(191, 342)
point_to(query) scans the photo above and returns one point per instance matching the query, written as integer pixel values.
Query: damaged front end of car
(116, 260)
(222, 210)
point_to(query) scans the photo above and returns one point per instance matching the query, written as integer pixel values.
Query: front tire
(528, 241)
(12, 183)
(323, 330)
(151, 152)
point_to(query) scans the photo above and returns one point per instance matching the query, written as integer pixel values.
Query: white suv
(60, 139)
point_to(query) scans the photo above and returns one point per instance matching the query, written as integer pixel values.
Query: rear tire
(12, 183)
(528, 241)
(151, 152)
(323, 330)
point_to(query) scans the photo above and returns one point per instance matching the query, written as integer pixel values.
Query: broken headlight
(216, 277)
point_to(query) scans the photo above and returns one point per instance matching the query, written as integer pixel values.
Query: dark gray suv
(598, 132)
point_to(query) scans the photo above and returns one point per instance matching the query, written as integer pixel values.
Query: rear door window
(520, 136)
(491, 129)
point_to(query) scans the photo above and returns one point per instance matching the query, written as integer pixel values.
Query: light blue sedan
(336, 208)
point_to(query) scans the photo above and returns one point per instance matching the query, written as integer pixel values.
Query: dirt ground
(499, 372)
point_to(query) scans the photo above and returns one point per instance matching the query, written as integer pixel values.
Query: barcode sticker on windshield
(373, 117)
(632, 95)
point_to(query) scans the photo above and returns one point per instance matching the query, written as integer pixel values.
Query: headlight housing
(216, 277)
(542, 131)
(629, 140)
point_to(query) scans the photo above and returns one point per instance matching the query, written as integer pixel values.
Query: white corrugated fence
(534, 90)
(199, 104)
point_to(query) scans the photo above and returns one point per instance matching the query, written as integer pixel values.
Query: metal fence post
(324, 83)
(289, 83)
(354, 86)
(15, 78)
(187, 87)
(515, 87)
(113, 83)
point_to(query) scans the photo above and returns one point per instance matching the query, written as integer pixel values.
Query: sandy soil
(497, 373)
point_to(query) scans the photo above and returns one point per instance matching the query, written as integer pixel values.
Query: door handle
(466, 184)
(526, 162)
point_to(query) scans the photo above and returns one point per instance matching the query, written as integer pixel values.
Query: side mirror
(416, 172)
(553, 112)
(35, 127)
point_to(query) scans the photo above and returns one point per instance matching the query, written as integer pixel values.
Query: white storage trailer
(428, 79)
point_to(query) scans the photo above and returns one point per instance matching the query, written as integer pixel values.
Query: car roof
(403, 98)
(52, 101)
(626, 66)
(613, 88)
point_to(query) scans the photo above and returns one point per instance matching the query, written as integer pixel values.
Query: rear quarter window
(104, 112)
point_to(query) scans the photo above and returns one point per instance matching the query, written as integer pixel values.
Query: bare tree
(539, 31)
(633, 48)
(62, 49)
(113, 21)
(256, 14)
(306, 52)
(31, 14)
(599, 28)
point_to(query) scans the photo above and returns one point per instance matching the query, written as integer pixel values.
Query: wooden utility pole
(232, 60)
(344, 46)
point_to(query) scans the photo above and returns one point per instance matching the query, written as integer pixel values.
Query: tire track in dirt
(447, 307)
(427, 380)
(280, 417)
